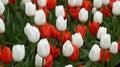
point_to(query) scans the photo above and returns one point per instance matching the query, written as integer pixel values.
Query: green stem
(43, 62)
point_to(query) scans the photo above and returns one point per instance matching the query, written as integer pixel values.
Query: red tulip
(75, 55)
(35, 1)
(81, 29)
(54, 51)
(49, 61)
(66, 15)
(51, 4)
(7, 55)
(12, 1)
(1, 16)
(93, 27)
(81, 66)
(106, 11)
(105, 55)
(111, 3)
(87, 5)
(1, 53)
(118, 46)
(45, 10)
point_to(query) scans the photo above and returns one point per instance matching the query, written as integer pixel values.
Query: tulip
(40, 17)
(45, 9)
(97, 3)
(1, 53)
(49, 61)
(114, 48)
(105, 41)
(30, 9)
(110, 5)
(94, 53)
(2, 8)
(98, 17)
(25, 1)
(12, 1)
(72, 2)
(32, 33)
(101, 31)
(115, 8)
(70, 65)
(59, 11)
(35, 1)
(87, 5)
(67, 49)
(106, 11)
(79, 2)
(51, 4)
(105, 2)
(18, 52)
(94, 9)
(2, 26)
(38, 61)
(43, 48)
(5, 2)
(77, 40)
(83, 15)
(61, 24)
(118, 46)
(42, 3)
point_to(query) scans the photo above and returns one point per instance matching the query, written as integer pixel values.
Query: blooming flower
(105, 2)
(2, 8)
(2, 26)
(106, 11)
(51, 4)
(38, 61)
(5, 2)
(49, 61)
(98, 17)
(59, 11)
(97, 3)
(115, 8)
(114, 48)
(87, 5)
(69, 65)
(101, 31)
(42, 3)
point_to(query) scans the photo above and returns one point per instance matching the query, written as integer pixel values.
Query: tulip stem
(43, 62)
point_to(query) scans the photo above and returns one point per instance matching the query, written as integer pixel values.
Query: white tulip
(18, 52)
(2, 26)
(105, 41)
(61, 24)
(94, 53)
(105, 2)
(67, 49)
(94, 10)
(70, 65)
(97, 3)
(25, 1)
(116, 7)
(42, 3)
(77, 39)
(5, 2)
(43, 48)
(83, 15)
(114, 48)
(40, 17)
(59, 11)
(98, 17)
(72, 2)
(79, 2)
(2, 8)
(38, 61)
(101, 31)
(32, 33)
(30, 9)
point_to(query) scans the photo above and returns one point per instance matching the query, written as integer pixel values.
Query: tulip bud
(5, 2)
(67, 49)
(105, 41)
(2, 8)
(83, 15)
(38, 61)
(114, 48)
(43, 48)
(98, 17)
(40, 17)
(97, 3)
(101, 31)
(116, 7)
(70, 65)
(42, 3)
(61, 24)
(30, 9)
(94, 53)
(77, 39)
(59, 11)
(32, 33)
(72, 2)
(105, 2)
(79, 2)
(94, 10)
(25, 1)
(2, 26)
(18, 52)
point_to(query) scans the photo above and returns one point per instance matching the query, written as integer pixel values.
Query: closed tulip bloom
(101, 31)
(83, 15)
(51, 4)
(2, 8)
(59, 11)
(94, 53)
(87, 5)
(43, 48)
(25, 1)
(5, 2)
(18, 52)
(79, 2)
(77, 39)
(42, 3)
(105, 41)
(30, 9)
(67, 49)
(98, 17)
(105, 2)
(94, 9)
(38, 61)
(97, 3)
(61, 24)
(114, 48)
(72, 2)
(115, 8)
(49, 61)
(1, 53)
(70, 65)
(40, 17)
(2, 26)
(32, 33)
